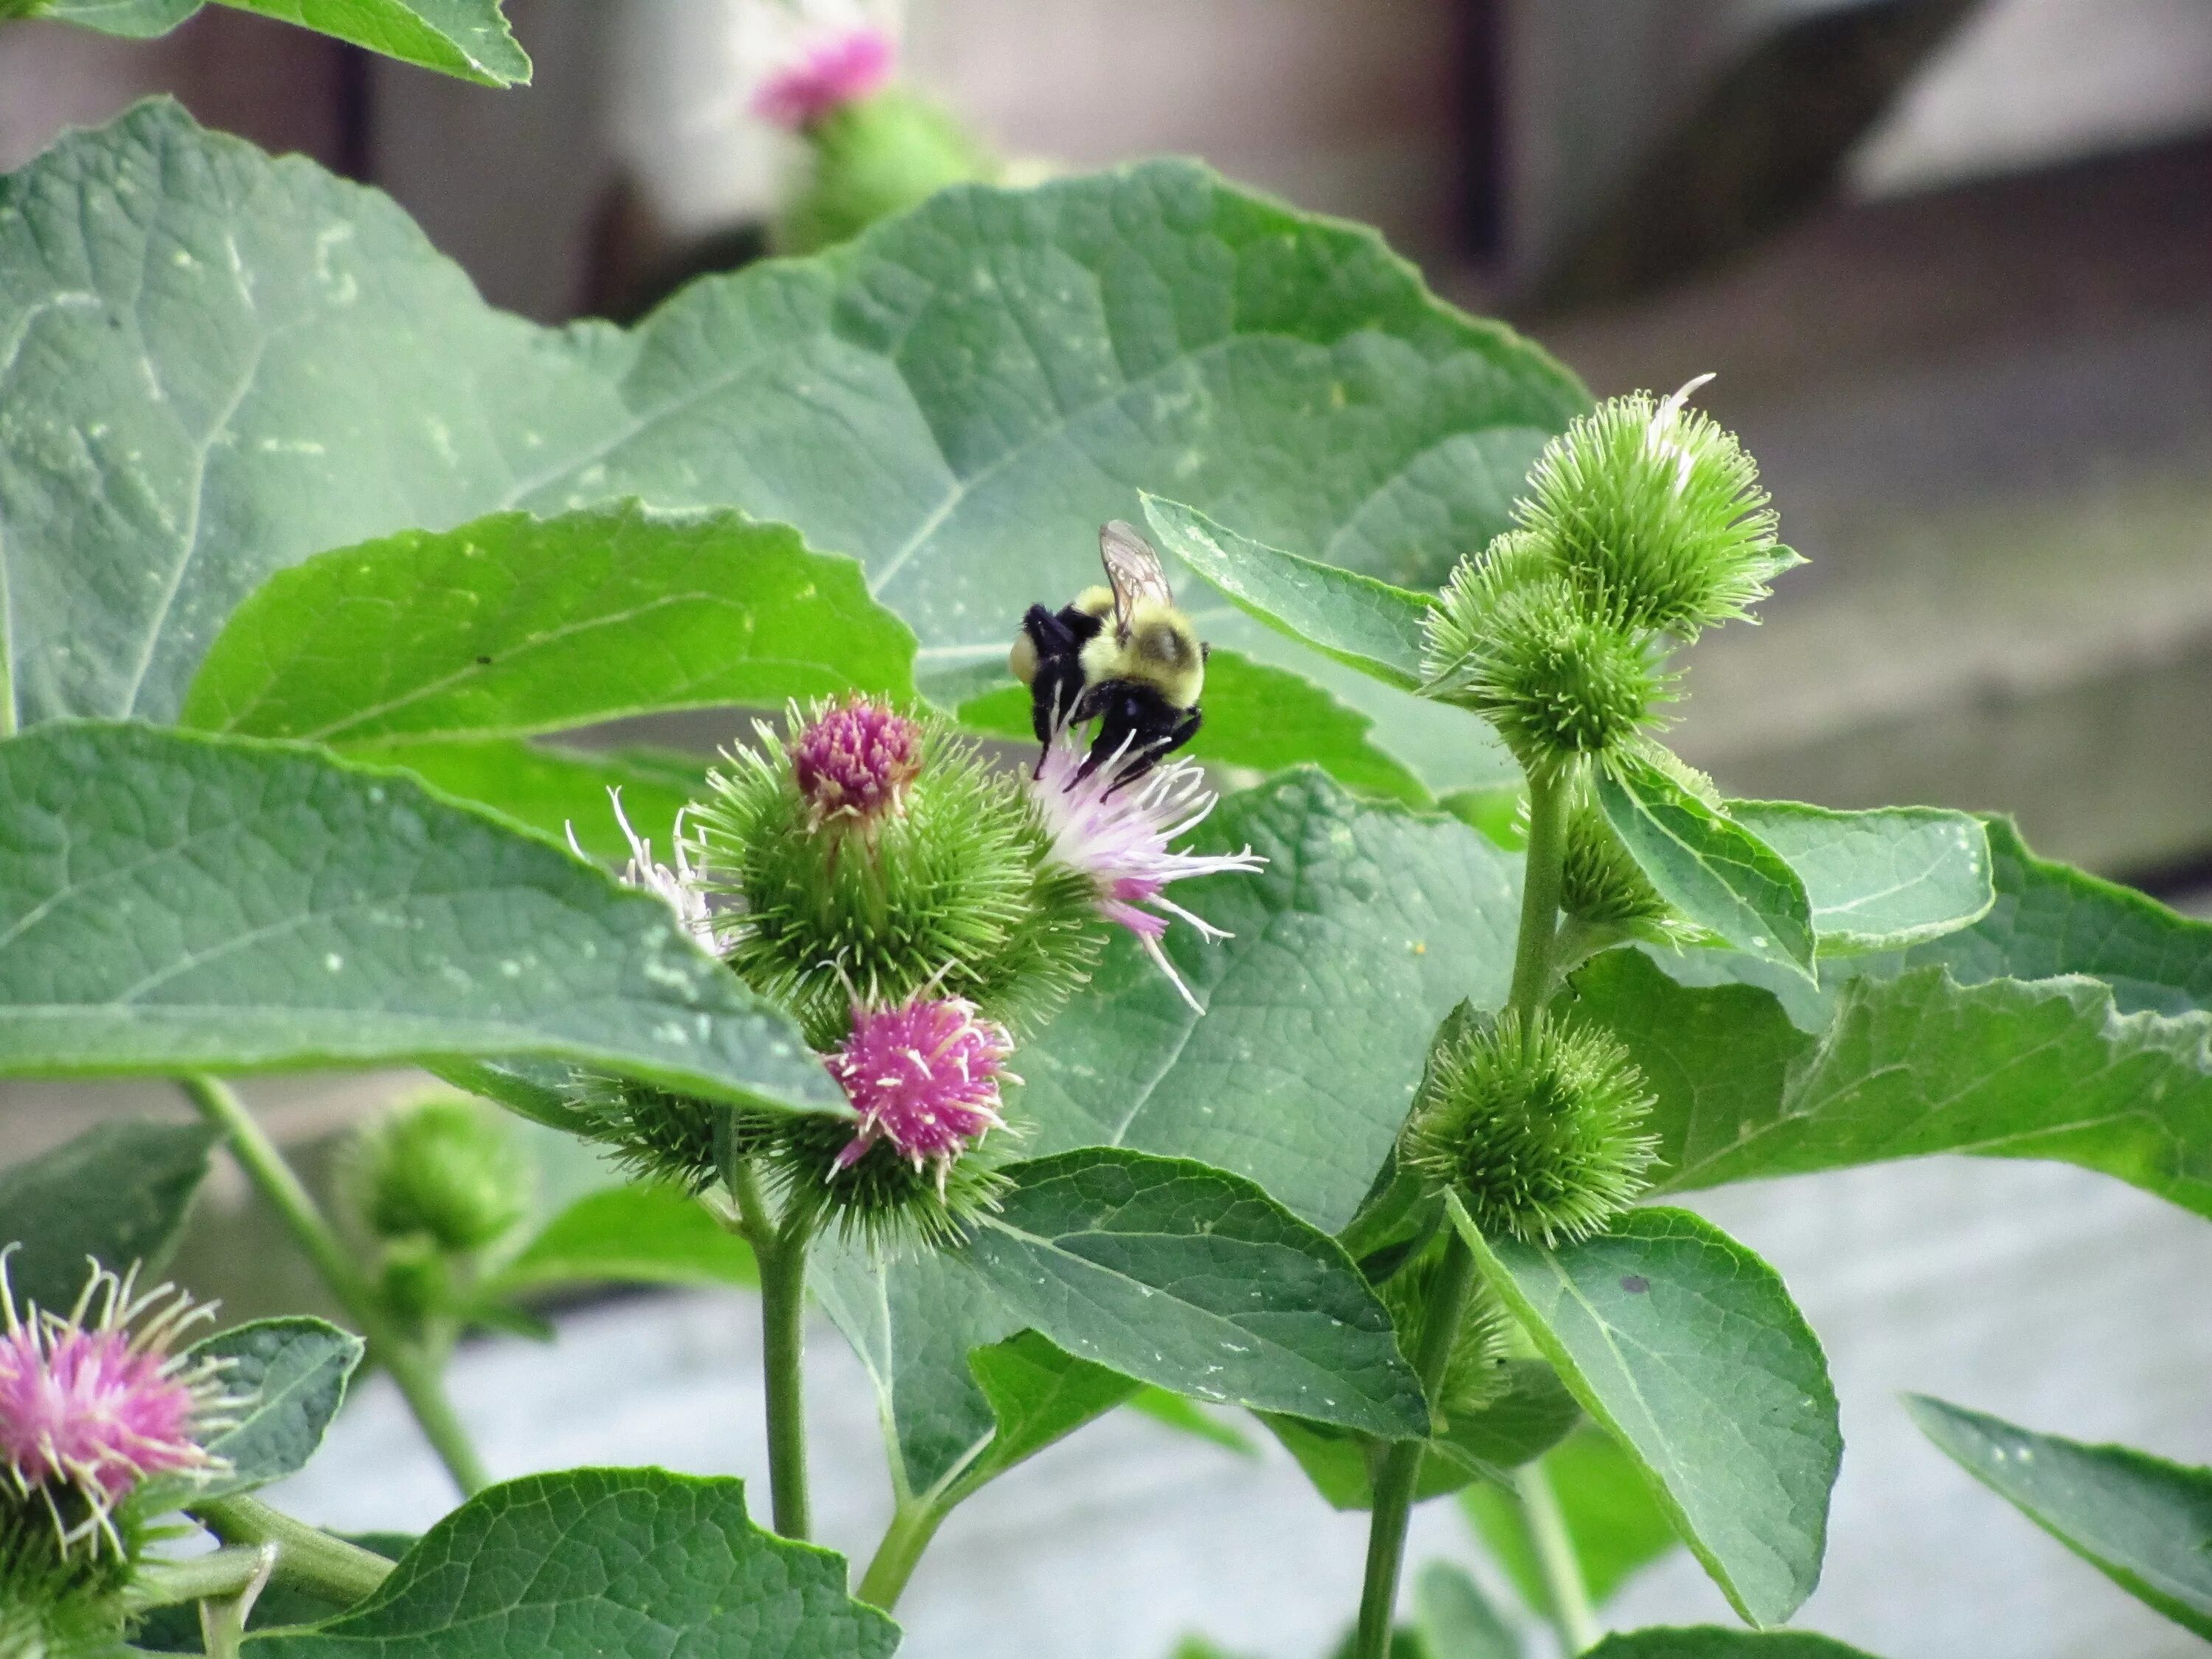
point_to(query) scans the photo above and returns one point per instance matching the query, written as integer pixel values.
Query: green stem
(911, 1529)
(1577, 1625)
(1402, 1464)
(215, 1577)
(416, 1372)
(306, 1557)
(1550, 793)
(780, 1253)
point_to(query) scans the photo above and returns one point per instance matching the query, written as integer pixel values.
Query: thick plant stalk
(1550, 793)
(781, 1254)
(417, 1375)
(1555, 1557)
(219, 1575)
(306, 1557)
(908, 1534)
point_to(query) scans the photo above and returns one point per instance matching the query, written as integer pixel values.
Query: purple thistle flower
(90, 1406)
(924, 1076)
(855, 761)
(1118, 835)
(835, 72)
(683, 889)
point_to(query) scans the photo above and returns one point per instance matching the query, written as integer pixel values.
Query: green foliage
(1686, 1348)
(1038, 1393)
(2144, 1523)
(513, 624)
(294, 1372)
(602, 1560)
(1535, 1126)
(873, 157)
(1615, 1525)
(1455, 1619)
(560, 791)
(1712, 1642)
(469, 39)
(118, 1194)
(1881, 880)
(634, 1235)
(178, 901)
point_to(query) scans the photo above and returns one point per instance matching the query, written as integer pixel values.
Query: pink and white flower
(1118, 835)
(835, 72)
(683, 889)
(91, 1407)
(854, 760)
(924, 1076)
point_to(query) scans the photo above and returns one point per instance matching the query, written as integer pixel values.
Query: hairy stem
(1550, 793)
(1555, 1559)
(1402, 1464)
(416, 1372)
(912, 1527)
(781, 1254)
(306, 1557)
(215, 1577)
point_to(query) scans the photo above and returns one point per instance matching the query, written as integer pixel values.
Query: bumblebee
(1121, 654)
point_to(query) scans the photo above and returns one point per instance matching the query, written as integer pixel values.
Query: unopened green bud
(1475, 1374)
(1656, 514)
(873, 157)
(1601, 883)
(947, 885)
(448, 1170)
(1537, 1125)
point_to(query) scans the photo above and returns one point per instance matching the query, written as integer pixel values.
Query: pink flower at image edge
(833, 74)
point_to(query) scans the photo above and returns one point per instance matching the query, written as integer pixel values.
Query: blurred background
(1951, 262)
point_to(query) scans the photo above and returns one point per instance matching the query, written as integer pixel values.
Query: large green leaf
(1708, 867)
(1360, 621)
(173, 902)
(1686, 1346)
(513, 624)
(293, 1372)
(1256, 716)
(214, 365)
(2144, 1523)
(1368, 924)
(467, 37)
(556, 790)
(1909, 1067)
(1714, 1642)
(1879, 880)
(118, 1194)
(1179, 1274)
(602, 1561)
(1614, 1525)
(1038, 1393)
(630, 1235)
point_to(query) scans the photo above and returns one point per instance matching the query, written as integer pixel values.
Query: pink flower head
(923, 1076)
(855, 761)
(834, 73)
(90, 1406)
(683, 889)
(1117, 833)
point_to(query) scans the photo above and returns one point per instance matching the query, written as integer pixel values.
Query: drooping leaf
(1455, 1619)
(1368, 924)
(1879, 880)
(1613, 1523)
(512, 624)
(599, 1561)
(1910, 1067)
(1688, 1349)
(2144, 1523)
(1710, 868)
(1358, 620)
(1718, 1641)
(630, 1235)
(1182, 1275)
(554, 790)
(465, 38)
(538, 1089)
(216, 365)
(294, 1373)
(1257, 717)
(118, 1194)
(173, 902)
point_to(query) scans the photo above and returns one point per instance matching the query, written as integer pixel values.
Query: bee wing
(1133, 567)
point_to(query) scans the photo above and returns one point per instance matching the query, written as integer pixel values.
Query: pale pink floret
(855, 762)
(682, 889)
(924, 1076)
(89, 1403)
(833, 73)
(1117, 833)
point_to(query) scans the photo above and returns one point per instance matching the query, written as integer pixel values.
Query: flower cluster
(95, 1402)
(914, 907)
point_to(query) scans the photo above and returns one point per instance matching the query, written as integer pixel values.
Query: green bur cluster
(1536, 1124)
(56, 1604)
(872, 158)
(1476, 1376)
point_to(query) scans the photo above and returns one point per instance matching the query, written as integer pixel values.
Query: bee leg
(1058, 678)
(1153, 749)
